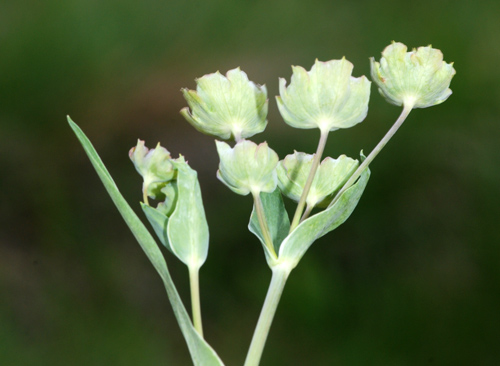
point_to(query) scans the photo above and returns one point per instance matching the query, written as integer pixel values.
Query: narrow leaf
(201, 352)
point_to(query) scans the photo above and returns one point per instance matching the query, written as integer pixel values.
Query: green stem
(259, 209)
(278, 280)
(310, 179)
(402, 117)
(307, 212)
(195, 298)
(145, 194)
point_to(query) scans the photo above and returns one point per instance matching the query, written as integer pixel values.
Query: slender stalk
(402, 117)
(259, 209)
(145, 194)
(278, 280)
(307, 212)
(195, 298)
(310, 179)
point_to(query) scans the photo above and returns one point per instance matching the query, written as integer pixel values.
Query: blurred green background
(412, 278)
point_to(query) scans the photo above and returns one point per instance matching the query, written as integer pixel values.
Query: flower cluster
(326, 97)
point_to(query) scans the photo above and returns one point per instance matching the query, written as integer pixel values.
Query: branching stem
(402, 117)
(307, 212)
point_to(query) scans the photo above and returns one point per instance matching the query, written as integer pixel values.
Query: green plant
(231, 107)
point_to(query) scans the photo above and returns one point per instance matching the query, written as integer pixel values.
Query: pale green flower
(417, 79)
(247, 167)
(155, 167)
(330, 177)
(327, 97)
(227, 106)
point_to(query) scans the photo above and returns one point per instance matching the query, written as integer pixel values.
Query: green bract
(295, 245)
(227, 106)
(180, 221)
(327, 97)
(247, 167)
(155, 167)
(417, 79)
(187, 226)
(330, 177)
(290, 247)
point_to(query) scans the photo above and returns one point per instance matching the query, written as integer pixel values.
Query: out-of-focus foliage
(412, 278)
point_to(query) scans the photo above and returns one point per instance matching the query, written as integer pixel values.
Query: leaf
(296, 244)
(187, 228)
(185, 232)
(201, 352)
(276, 217)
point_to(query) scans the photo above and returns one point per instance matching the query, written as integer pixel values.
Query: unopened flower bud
(155, 167)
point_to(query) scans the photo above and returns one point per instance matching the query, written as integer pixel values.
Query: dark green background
(412, 278)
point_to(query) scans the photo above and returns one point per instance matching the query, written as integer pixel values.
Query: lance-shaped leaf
(201, 352)
(277, 221)
(187, 228)
(296, 244)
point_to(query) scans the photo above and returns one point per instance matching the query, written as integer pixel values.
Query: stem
(278, 280)
(195, 298)
(402, 117)
(307, 212)
(310, 179)
(145, 194)
(259, 209)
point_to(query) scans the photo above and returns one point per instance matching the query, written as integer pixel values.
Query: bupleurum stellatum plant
(233, 108)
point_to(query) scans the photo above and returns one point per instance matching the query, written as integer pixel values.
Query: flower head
(247, 167)
(416, 79)
(330, 177)
(227, 106)
(327, 97)
(154, 165)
